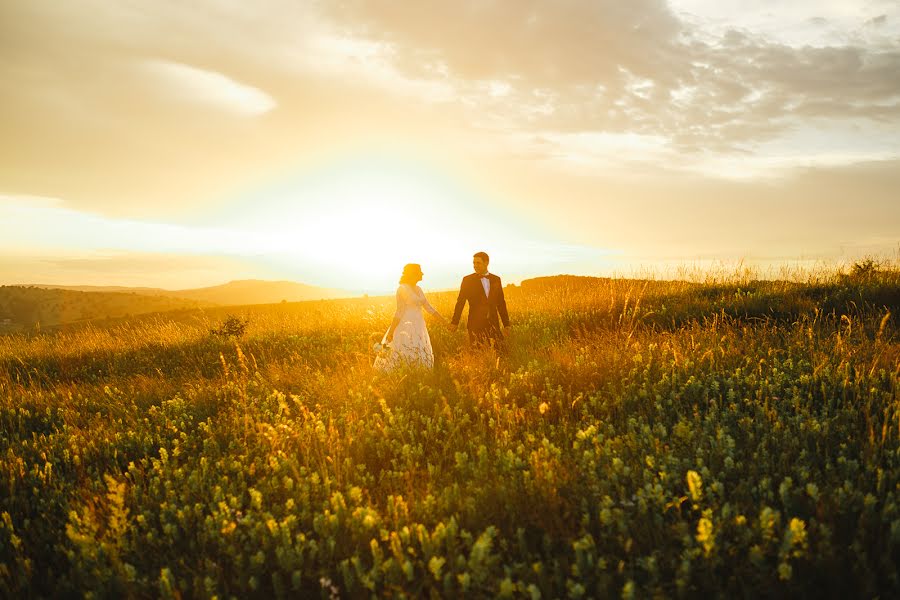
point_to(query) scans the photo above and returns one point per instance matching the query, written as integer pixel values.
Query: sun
(354, 224)
(360, 223)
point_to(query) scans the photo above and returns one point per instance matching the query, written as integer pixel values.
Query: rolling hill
(244, 291)
(254, 291)
(22, 307)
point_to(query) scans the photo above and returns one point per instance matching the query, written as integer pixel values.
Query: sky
(183, 144)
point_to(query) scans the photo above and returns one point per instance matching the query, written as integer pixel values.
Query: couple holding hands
(407, 342)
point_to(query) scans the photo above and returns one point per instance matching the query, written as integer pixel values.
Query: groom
(487, 306)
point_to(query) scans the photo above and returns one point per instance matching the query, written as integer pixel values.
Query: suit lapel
(479, 287)
(476, 284)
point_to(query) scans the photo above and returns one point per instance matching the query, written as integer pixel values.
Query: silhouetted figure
(407, 341)
(487, 307)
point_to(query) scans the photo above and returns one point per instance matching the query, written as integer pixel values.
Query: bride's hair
(411, 273)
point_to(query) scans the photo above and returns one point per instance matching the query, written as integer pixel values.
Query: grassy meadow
(732, 438)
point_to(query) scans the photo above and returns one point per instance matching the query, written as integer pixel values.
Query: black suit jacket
(485, 312)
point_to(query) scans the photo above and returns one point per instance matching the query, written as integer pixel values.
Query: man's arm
(501, 304)
(460, 304)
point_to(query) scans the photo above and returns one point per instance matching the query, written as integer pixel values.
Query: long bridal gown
(411, 344)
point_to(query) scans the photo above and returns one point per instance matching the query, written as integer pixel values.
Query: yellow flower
(795, 537)
(812, 491)
(695, 485)
(435, 564)
(705, 535)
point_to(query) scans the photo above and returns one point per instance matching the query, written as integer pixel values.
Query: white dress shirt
(486, 284)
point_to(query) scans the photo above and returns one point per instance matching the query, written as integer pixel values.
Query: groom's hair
(483, 256)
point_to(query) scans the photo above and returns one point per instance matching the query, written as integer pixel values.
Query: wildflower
(255, 498)
(328, 586)
(606, 516)
(812, 491)
(705, 535)
(768, 520)
(435, 564)
(794, 543)
(695, 485)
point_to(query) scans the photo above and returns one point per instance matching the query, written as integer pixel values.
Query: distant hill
(147, 291)
(245, 291)
(557, 281)
(22, 307)
(254, 291)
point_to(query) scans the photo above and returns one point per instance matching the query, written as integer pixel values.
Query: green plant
(864, 269)
(231, 326)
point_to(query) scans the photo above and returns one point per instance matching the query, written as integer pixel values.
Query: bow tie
(484, 276)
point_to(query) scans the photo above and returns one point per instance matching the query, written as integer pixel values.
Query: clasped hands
(506, 330)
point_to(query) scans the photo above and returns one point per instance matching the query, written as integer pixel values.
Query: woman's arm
(431, 310)
(389, 336)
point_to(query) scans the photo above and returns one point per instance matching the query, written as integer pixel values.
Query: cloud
(706, 78)
(208, 88)
(143, 115)
(45, 224)
(628, 68)
(111, 267)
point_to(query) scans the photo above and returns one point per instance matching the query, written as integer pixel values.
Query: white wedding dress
(411, 344)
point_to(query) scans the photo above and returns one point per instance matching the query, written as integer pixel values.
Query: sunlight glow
(355, 225)
(351, 226)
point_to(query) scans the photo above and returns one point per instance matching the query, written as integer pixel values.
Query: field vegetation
(733, 437)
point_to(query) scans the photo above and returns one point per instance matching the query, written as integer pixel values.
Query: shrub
(232, 326)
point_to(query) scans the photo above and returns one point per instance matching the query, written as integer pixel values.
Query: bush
(865, 269)
(232, 326)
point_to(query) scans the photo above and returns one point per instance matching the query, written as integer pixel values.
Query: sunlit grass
(723, 436)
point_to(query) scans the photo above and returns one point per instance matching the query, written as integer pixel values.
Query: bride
(407, 337)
